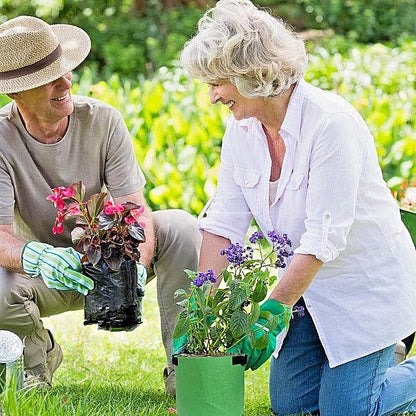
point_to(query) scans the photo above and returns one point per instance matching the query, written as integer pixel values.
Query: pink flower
(73, 209)
(172, 410)
(111, 209)
(135, 213)
(56, 198)
(130, 220)
(67, 192)
(58, 228)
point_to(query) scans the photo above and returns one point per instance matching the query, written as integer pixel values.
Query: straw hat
(34, 53)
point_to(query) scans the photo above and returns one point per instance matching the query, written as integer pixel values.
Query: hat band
(30, 69)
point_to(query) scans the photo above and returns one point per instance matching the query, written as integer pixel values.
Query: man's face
(48, 103)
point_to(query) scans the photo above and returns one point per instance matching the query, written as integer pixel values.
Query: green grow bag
(210, 386)
(409, 220)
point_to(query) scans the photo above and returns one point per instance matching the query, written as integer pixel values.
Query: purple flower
(198, 281)
(204, 277)
(234, 254)
(299, 310)
(211, 276)
(276, 238)
(258, 235)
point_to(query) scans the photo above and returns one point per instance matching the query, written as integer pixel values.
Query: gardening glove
(59, 267)
(141, 278)
(256, 357)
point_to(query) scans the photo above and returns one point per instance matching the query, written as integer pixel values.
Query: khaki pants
(24, 300)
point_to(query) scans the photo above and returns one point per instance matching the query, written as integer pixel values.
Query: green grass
(117, 374)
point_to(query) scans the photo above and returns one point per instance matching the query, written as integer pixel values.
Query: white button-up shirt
(333, 203)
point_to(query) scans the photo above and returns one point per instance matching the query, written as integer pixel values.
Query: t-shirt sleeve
(122, 174)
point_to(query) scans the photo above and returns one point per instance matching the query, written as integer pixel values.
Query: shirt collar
(291, 122)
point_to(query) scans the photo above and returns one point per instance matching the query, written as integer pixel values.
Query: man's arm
(147, 248)
(10, 249)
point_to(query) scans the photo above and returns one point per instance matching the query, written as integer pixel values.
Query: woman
(301, 161)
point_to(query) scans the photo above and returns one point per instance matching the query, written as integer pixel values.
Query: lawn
(118, 374)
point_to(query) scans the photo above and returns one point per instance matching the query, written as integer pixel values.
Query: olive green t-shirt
(96, 149)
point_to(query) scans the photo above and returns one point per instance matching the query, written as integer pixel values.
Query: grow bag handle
(239, 359)
(236, 359)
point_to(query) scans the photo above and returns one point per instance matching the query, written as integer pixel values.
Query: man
(49, 138)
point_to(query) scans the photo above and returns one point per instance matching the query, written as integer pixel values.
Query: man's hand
(59, 267)
(269, 309)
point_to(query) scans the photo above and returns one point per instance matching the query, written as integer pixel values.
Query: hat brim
(75, 44)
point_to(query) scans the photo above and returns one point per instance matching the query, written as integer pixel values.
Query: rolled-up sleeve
(337, 158)
(227, 213)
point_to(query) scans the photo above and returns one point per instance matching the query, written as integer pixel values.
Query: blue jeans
(301, 381)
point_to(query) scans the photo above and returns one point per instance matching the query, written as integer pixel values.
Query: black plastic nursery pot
(409, 220)
(207, 385)
(114, 303)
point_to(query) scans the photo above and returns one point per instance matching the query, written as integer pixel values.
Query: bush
(130, 44)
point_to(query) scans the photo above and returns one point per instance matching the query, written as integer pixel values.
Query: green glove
(141, 278)
(180, 344)
(59, 267)
(255, 356)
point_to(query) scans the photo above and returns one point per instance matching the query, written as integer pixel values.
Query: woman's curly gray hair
(240, 43)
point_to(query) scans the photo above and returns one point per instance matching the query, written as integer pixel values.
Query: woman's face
(241, 107)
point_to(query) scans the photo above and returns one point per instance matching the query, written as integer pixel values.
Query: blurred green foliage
(177, 132)
(128, 42)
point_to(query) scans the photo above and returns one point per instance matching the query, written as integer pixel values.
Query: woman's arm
(297, 279)
(210, 257)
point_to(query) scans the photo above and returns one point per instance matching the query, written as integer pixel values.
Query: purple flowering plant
(216, 317)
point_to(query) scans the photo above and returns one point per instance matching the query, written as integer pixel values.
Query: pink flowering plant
(105, 232)
(217, 317)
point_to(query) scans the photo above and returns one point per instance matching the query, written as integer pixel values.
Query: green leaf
(259, 293)
(191, 273)
(183, 303)
(179, 292)
(226, 276)
(79, 191)
(181, 328)
(254, 313)
(252, 338)
(262, 342)
(238, 323)
(77, 234)
(261, 275)
(237, 297)
(95, 204)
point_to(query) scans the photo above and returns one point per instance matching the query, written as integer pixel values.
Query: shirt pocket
(249, 182)
(246, 178)
(295, 180)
